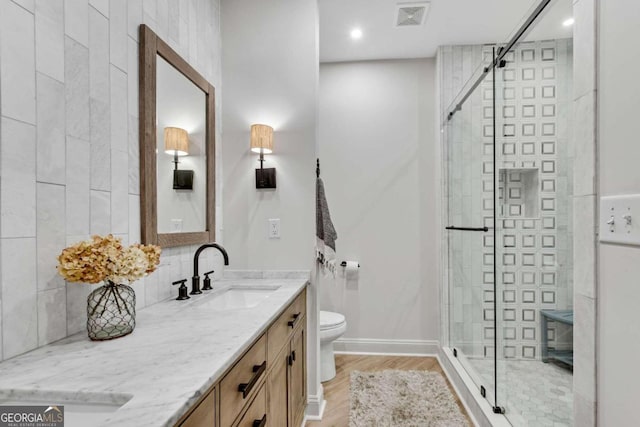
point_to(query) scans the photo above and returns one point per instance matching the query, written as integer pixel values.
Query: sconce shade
(262, 139)
(176, 141)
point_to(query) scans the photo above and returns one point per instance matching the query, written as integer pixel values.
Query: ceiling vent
(411, 14)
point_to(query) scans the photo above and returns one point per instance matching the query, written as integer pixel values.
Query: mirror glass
(177, 114)
(181, 113)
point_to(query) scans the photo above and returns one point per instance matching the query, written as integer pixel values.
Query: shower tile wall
(534, 245)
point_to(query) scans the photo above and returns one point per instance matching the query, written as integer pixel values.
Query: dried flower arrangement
(111, 309)
(103, 258)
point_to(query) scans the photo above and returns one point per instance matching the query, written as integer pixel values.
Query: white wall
(619, 276)
(270, 75)
(378, 162)
(69, 147)
(270, 68)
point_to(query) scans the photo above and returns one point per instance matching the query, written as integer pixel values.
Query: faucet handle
(182, 291)
(207, 281)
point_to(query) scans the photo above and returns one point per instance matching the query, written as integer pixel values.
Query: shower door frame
(585, 223)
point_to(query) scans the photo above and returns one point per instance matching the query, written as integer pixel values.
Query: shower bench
(561, 316)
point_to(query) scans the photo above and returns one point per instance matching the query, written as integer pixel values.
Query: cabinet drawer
(280, 331)
(242, 381)
(256, 415)
(204, 415)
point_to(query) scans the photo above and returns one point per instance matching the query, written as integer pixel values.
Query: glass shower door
(470, 168)
(534, 235)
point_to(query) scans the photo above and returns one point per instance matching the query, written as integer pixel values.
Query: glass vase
(111, 311)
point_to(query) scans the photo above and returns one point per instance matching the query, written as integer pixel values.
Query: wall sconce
(262, 142)
(176, 142)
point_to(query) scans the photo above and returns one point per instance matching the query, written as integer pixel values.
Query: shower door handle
(484, 229)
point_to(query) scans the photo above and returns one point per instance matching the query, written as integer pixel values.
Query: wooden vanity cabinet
(298, 376)
(273, 371)
(287, 384)
(204, 414)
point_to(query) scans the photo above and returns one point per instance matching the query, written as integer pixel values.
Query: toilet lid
(329, 319)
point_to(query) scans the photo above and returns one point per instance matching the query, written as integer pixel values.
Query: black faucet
(195, 281)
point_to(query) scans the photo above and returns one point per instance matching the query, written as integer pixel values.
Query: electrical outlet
(274, 228)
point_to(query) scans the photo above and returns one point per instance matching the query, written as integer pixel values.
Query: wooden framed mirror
(177, 147)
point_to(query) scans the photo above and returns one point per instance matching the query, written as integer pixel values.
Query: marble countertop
(177, 351)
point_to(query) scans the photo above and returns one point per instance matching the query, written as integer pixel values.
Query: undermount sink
(80, 409)
(236, 298)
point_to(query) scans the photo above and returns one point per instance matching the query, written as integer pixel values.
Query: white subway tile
(165, 287)
(152, 294)
(27, 4)
(194, 41)
(132, 78)
(19, 296)
(584, 49)
(50, 131)
(162, 18)
(51, 236)
(134, 218)
(134, 15)
(584, 126)
(17, 68)
(99, 56)
(584, 383)
(138, 287)
(174, 23)
(76, 22)
(119, 120)
(101, 6)
(118, 24)
(100, 212)
(78, 188)
(76, 76)
(52, 315)
(584, 223)
(17, 179)
(100, 146)
(134, 157)
(49, 21)
(149, 7)
(119, 192)
(77, 294)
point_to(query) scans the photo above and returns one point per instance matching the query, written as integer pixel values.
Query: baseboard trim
(387, 347)
(315, 407)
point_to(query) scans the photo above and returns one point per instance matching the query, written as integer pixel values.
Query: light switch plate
(620, 219)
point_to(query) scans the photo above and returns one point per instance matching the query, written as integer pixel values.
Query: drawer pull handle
(293, 355)
(296, 316)
(260, 423)
(245, 388)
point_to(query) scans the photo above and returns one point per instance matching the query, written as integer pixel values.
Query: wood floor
(336, 391)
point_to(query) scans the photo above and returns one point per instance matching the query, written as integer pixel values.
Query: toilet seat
(330, 320)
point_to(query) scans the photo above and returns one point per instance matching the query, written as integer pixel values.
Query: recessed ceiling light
(356, 33)
(568, 22)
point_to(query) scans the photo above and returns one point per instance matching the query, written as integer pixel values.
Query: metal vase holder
(111, 311)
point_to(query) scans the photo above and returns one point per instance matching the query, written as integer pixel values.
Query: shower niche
(519, 193)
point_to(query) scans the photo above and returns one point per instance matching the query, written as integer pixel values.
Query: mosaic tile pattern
(533, 393)
(533, 252)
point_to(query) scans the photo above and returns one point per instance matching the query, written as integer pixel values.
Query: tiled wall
(69, 147)
(535, 240)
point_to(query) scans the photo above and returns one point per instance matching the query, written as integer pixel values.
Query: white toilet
(332, 326)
